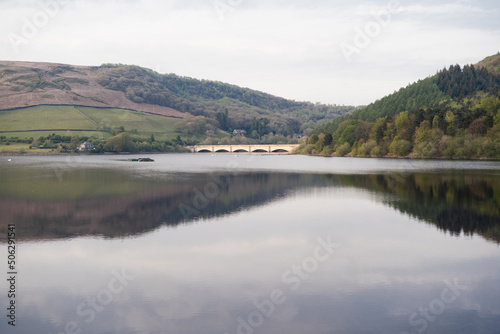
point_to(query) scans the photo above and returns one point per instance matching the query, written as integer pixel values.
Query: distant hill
(28, 84)
(25, 84)
(452, 114)
(419, 94)
(233, 107)
(454, 82)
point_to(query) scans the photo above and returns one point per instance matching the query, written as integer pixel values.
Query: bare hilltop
(26, 84)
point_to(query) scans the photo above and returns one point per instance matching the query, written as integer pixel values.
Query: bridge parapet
(274, 148)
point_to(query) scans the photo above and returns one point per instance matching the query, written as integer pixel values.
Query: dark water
(251, 244)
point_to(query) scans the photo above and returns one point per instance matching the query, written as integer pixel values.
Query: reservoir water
(202, 243)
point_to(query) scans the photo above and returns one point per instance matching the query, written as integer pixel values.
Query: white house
(86, 146)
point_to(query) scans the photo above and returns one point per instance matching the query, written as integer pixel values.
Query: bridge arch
(245, 148)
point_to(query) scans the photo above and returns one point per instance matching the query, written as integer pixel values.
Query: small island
(141, 160)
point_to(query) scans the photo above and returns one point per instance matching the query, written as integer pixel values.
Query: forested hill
(232, 106)
(453, 114)
(226, 106)
(451, 83)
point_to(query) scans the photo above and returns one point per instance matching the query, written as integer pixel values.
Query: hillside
(451, 83)
(227, 107)
(491, 63)
(231, 106)
(25, 84)
(453, 114)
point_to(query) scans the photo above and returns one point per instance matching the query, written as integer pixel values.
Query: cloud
(447, 9)
(287, 48)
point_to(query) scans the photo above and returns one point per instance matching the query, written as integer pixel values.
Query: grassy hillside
(25, 130)
(91, 121)
(44, 117)
(222, 106)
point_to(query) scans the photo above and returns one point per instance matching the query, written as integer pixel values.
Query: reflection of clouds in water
(215, 309)
(248, 239)
(195, 278)
(200, 277)
(245, 247)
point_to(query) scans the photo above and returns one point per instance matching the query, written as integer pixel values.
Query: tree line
(451, 129)
(454, 114)
(456, 82)
(452, 83)
(121, 142)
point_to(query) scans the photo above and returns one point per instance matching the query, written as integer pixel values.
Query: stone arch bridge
(274, 148)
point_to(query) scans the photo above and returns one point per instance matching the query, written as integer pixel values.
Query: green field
(22, 148)
(44, 117)
(45, 133)
(144, 124)
(61, 119)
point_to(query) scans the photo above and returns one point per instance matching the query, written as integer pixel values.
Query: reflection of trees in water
(238, 193)
(149, 206)
(467, 221)
(454, 202)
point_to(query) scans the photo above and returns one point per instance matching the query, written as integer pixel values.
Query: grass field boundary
(84, 115)
(83, 106)
(41, 130)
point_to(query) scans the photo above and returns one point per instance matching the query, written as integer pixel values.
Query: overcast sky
(335, 52)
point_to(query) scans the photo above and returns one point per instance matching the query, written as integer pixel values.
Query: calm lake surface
(195, 243)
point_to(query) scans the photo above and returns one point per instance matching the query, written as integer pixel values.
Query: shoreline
(16, 154)
(34, 154)
(395, 157)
